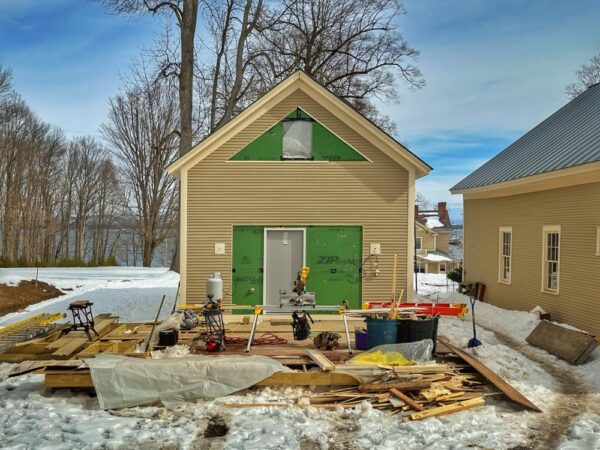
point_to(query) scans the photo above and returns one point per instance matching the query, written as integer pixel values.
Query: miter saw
(299, 296)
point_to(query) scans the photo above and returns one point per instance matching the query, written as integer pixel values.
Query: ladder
(28, 328)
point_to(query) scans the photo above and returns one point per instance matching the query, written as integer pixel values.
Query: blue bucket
(381, 331)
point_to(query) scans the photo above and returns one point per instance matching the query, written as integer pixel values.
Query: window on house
(420, 267)
(297, 139)
(418, 243)
(505, 255)
(551, 269)
(442, 268)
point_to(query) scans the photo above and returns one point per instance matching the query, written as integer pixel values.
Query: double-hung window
(505, 255)
(551, 259)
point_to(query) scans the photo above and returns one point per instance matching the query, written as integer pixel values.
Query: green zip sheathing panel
(247, 265)
(326, 145)
(333, 254)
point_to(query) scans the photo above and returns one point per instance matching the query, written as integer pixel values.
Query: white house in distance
(432, 240)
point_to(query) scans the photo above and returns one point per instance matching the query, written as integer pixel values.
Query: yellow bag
(380, 358)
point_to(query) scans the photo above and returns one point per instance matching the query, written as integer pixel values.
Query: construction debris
(453, 382)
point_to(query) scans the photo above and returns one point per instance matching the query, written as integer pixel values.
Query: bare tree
(587, 75)
(140, 132)
(186, 14)
(5, 81)
(352, 47)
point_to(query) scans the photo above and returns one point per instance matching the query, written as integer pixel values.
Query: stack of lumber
(415, 392)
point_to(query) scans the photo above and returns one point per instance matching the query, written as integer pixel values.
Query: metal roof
(569, 137)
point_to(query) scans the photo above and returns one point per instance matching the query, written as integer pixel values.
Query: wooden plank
(320, 360)
(73, 379)
(83, 379)
(493, 378)
(30, 366)
(20, 357)
(309, 379)
(447, 409)
(423, 368)
(406, 399)
(71, 347)
(400, 385)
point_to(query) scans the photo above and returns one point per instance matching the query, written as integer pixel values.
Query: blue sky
(494, 69)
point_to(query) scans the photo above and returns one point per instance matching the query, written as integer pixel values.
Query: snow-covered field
(132, 293)
(32, 417)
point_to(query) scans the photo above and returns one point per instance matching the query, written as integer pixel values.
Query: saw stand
(289, 309)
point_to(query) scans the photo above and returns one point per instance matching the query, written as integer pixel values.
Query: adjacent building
(433, 229)
(532, 218)
(298, 178)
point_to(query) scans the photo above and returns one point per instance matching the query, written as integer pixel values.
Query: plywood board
(493, 378)
(571, 345)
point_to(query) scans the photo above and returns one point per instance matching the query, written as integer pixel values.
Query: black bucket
(417, 330)
(167, 338)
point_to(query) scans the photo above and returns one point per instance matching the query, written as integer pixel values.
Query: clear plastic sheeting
(122, 381)
(419, 351)
(297, 139)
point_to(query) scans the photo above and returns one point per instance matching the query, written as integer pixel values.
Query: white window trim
(598, 240)
(420, 240)
(550, 229)
(502, 230)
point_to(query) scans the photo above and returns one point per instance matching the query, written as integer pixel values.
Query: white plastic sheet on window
(297, 139)
(122, 381)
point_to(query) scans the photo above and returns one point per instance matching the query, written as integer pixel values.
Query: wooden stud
(320, 360)
(447, 409)
(406, 399)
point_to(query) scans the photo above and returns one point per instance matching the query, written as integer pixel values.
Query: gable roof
(300, 80)
(570, 137)
(425, 228)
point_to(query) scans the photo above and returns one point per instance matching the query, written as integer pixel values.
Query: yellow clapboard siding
(576, 210)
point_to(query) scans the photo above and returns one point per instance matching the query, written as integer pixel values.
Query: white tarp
(122, 381)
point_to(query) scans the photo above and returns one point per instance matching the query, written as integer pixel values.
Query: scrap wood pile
(415, 392)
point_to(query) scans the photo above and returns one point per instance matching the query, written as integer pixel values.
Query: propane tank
(214, 287)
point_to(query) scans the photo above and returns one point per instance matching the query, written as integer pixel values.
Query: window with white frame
(505, 255)
(442, 268)
(598, 241)
(418, 243)
(551, 259)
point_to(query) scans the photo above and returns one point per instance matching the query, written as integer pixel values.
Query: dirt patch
(27, 292)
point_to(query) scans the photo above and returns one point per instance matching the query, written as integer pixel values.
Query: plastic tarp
(122, 381)
(388, 355)
(401, 354)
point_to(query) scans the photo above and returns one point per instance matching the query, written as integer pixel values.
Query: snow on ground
(132, 293)
(33, 417)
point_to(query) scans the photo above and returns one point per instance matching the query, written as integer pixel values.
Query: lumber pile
(414, 392)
